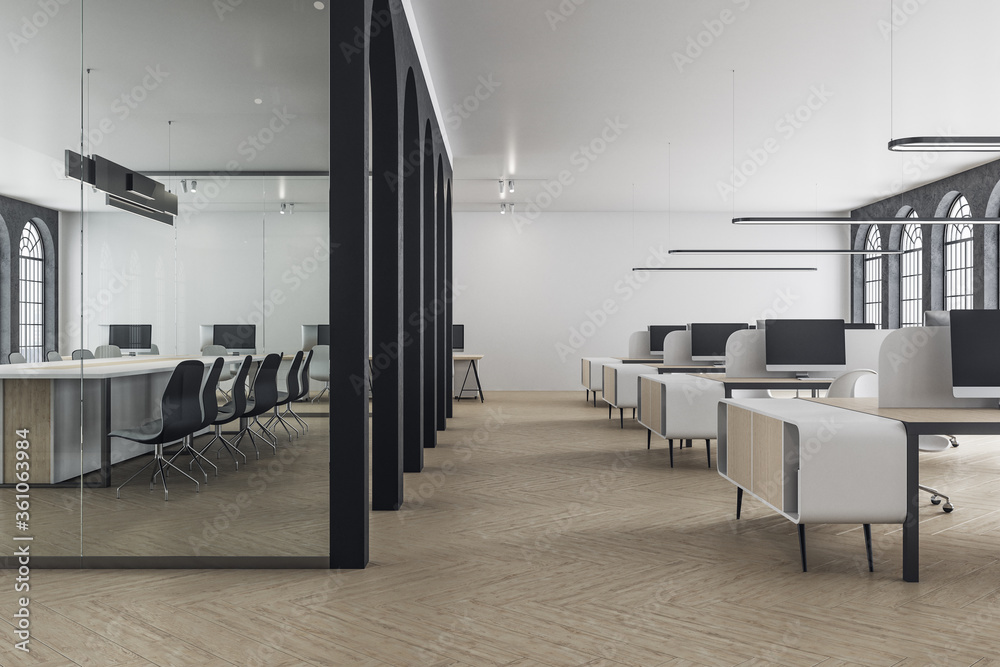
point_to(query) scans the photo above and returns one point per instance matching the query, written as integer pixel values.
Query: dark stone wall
(981, 187)
(16, 214)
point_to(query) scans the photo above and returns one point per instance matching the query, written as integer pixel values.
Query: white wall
(224, 268)
(536, 296)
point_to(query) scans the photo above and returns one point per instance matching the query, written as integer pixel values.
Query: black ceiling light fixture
(805, 220)
(946, 144)
(725, 268)
(126, 189)
(782, 251)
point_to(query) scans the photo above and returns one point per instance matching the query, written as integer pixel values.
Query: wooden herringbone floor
(540, 533)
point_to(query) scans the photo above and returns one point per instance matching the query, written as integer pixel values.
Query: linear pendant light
(805, 220)
(781, 251)
(954, 144)
(724, 268)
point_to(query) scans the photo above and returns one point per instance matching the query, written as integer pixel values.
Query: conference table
(45, 398)
(918, 422)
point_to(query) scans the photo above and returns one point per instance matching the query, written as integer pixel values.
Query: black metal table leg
(911, 525)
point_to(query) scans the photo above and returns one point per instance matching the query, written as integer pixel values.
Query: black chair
(83, 354)
(291, 392)
(209, 410)
(232, 411)
(263, 397)
(180, 415)
(303, 392)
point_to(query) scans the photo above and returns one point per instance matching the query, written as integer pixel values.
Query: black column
(387, 271)
(449, 297)
(413, 446)
(348, 296)
(430, 281)
(444, 356)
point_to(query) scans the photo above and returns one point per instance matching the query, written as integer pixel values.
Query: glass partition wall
(226, 105)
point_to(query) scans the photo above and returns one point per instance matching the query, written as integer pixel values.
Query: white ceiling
(566, 66)
(212, 60)
(565, 69)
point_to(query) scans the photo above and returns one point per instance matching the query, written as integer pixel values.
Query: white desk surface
(99, 369)
(461, 356)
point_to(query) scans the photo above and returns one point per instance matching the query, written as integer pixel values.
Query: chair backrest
(320, 367)
(107, 351)
(210, 405)
(304, 377)
(181, 404)
(53, 355)
(218, 351)
(862, 383)
(265, 385)
(292, 379)
(239, 390)
(16, 358)
(83, 353)
(153, 348)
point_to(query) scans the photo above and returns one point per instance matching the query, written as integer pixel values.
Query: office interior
(325, 175)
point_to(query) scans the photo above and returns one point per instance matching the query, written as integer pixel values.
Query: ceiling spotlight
(257, 100)
(282, 208)
(510, 207)
(503, 191)
(184, 185)
(503, 208)
(194, 186)
(510, 186)
(318, 5)
(291, 209)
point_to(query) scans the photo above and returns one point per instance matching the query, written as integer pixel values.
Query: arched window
(958, 258)
(31, 287)
(911, 292)
(873, 278)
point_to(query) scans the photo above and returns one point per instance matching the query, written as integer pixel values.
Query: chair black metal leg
(633, 413)
(621, 416)
(867, 527)
(649, 438)
(671, 453)
(802, 544)
(595, 398)
(708, 450)
(609, 411)
(739, 500)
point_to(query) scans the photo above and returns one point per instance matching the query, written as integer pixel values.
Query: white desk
(472, 360)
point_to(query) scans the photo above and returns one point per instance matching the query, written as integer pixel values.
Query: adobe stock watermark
(703, 40)
(381, 20)
(31, 25)
(787, 125)
(901, 14)
(562, 12)
(584, 156)
(595, 319)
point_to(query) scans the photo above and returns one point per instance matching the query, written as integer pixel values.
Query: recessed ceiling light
(318, 5)
(257, 100)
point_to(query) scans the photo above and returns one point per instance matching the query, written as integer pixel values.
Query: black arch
(387, 288)
(444, 354)
(413, 446)
(429, 302)
(449, 283)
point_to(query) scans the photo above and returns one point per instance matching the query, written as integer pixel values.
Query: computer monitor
(131, 337)
(657, 332)
(937, 318)
(235, 337)
(458, 336)
(708, 339)
(323, 334)
(805, 345)
(860, 325)
(975, 355)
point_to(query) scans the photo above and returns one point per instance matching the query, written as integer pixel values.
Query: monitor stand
(800, 375)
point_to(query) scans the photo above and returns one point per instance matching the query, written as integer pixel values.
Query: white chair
(53, 355)
(16, 358)
(227, 371)
(864, 384)
(107, 352)
(592, 374)
(319, 369)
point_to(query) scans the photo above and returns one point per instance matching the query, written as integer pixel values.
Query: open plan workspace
(297, 300)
